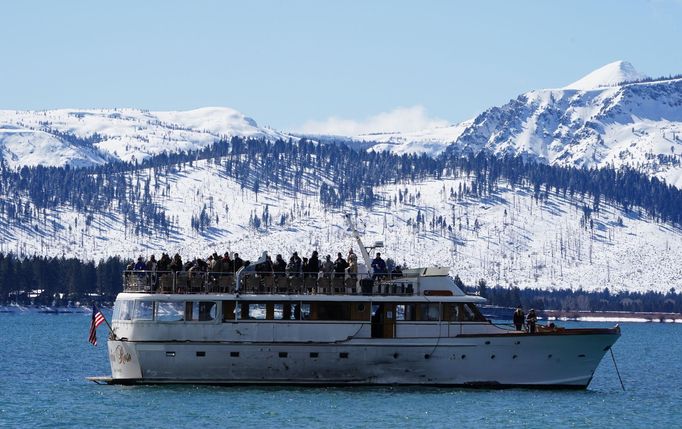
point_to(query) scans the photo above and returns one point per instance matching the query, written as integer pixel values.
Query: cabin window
(123, 310)
(304, 311)
(170, 311)
(144, 310)
(333, 311)
(460, 312)
(256, 311)
(405, 312)
(428, 312)
(472, 313)
(284, 311)
(200, 311)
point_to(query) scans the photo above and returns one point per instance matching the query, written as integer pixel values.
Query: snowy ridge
(611, 74)
(31, 137)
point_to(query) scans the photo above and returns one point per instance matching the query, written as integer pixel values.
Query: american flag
(97, 319)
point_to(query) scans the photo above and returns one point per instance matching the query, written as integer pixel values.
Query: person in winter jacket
(295, 264)
(340, 266)
(327, 266)
(176, 265)
(238, 262)
(141, 265)
(531, 321)
(313, 265)
(519, 318)
(352, 263)
(379, 266)
(280, 266)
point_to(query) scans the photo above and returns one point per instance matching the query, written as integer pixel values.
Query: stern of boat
(124, 361)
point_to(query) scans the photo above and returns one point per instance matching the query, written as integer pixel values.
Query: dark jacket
(313, 265)
(340, 266)
(279, 267)
(519, 317)
(379, 266)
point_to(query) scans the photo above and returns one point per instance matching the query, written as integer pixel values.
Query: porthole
(314, 354)
(343, 355)
(283, 354)
(464, 356)
(427, 356)
(201, 354)
(492, 356)
(234, 354)
(361, 307)
(514, 357)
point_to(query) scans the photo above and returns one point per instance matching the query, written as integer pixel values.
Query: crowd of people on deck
(297, 266)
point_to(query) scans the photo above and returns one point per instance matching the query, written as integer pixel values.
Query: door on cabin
(383, 320)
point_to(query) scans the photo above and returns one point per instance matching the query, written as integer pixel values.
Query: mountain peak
(608, 75)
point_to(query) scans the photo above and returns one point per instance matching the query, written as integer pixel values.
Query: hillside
(506, 233)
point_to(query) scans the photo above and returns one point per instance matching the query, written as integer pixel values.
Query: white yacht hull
(558, 360)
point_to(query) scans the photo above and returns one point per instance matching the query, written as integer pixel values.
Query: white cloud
(402, 119)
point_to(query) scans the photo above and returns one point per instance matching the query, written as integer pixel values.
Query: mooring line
(616, 366)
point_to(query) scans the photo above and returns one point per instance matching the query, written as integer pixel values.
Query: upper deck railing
(181, 282)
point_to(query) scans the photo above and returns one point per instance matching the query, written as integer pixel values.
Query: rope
(616, 366)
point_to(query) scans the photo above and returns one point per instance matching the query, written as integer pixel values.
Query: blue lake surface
(44, 359)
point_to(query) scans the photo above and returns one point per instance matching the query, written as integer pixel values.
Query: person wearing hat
(531, 320)
(519, 318)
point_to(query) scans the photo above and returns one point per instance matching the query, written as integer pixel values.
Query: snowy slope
(21, 146)
(124, 134)
(508, 238)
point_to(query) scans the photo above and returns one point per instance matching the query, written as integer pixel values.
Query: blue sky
(286, 63)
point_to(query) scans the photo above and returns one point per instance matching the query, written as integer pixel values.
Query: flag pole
(108, 325)
(113, 335)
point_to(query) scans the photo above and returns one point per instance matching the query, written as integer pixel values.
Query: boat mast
(363, 249)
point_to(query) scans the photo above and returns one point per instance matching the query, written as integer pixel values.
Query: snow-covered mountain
(81, 137)
(633, 124)
(614, 116)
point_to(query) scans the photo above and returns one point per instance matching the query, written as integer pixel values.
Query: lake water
(44, 359)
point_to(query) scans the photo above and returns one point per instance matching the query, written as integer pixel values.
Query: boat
(252, 327)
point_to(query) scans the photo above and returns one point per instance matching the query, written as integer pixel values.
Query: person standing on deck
(531, 320)
(280, 266)
(327, 267)
(352, 264)
(340, 266)
(519, 318)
